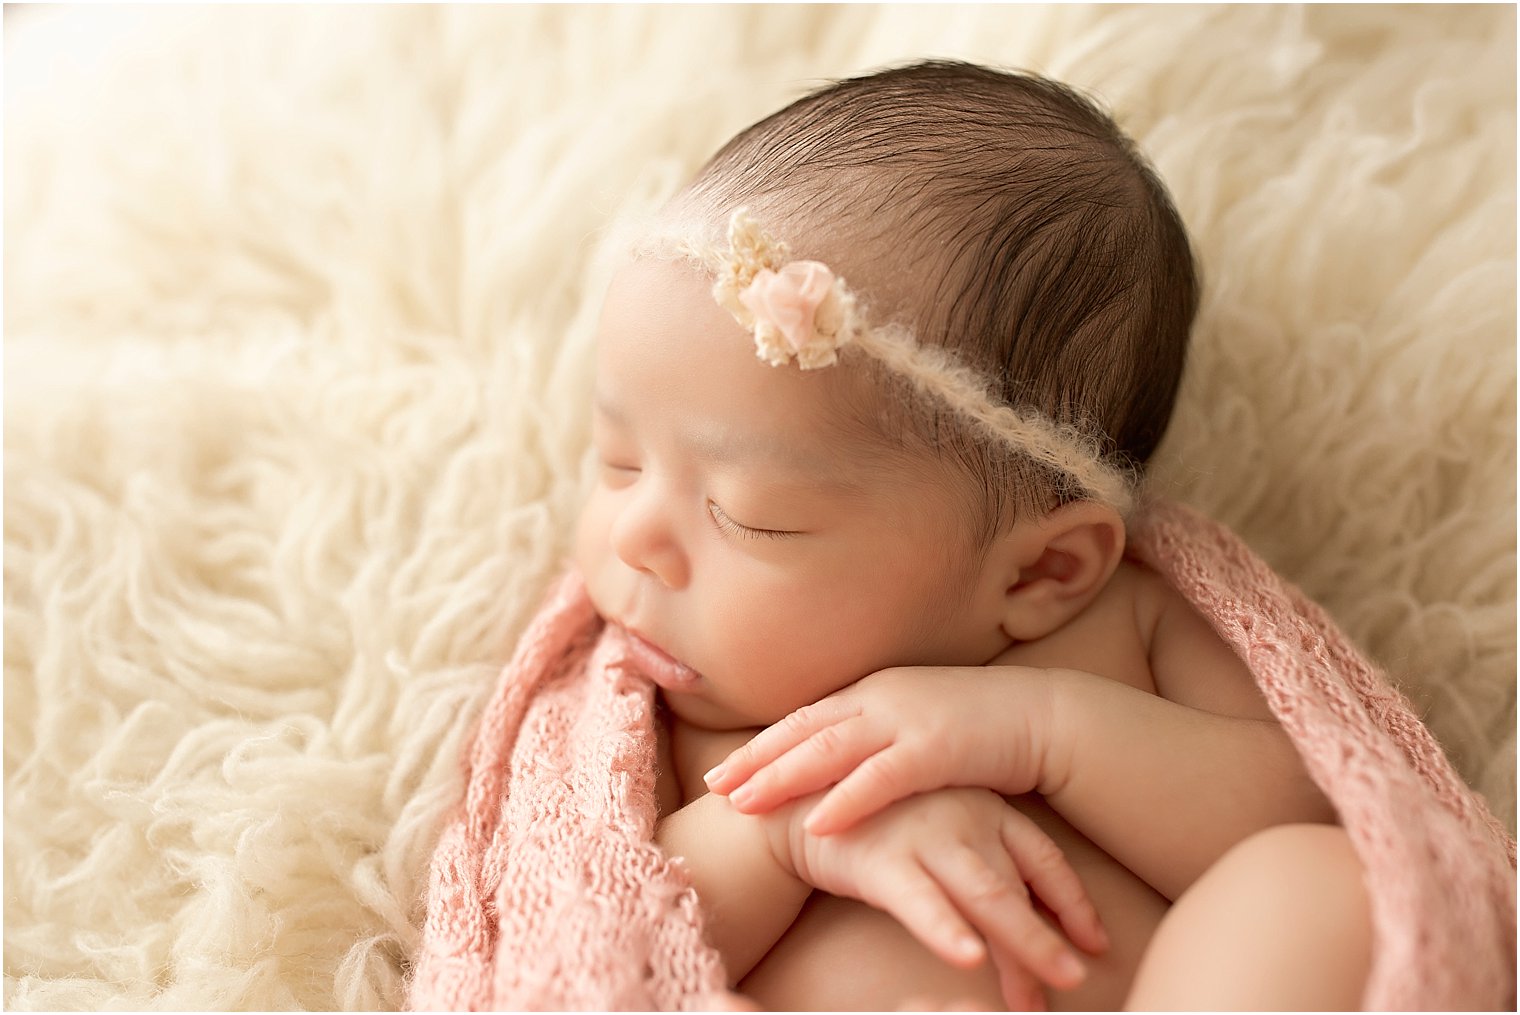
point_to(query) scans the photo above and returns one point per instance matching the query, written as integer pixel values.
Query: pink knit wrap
(547, 891)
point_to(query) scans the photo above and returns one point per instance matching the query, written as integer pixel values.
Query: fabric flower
(796, 313)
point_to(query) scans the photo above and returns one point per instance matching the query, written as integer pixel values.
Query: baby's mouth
(658, 665)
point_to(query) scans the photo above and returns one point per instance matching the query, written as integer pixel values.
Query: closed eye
(729, 527)
(618, 475)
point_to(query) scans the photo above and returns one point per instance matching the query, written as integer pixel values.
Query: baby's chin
(705, 714)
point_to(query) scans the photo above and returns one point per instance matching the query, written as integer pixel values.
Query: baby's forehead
(802, 312)
(662, 333)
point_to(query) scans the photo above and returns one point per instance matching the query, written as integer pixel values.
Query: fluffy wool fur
(298, 313)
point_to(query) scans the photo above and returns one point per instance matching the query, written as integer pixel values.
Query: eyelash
(730, 527)
(724, 523)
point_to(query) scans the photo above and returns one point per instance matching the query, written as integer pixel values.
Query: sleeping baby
(872, 401)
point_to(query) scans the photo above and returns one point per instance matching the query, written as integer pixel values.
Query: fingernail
(714, 774)
(968, 948)
(1069, 967)
(742, 796)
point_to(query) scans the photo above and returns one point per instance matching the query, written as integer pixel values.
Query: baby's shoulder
(1188, 660)
(1143, 632)
(1137, 630)
(1139, 592)
(1111, 636)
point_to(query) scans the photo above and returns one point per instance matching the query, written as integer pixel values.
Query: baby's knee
(1282, 921)
(1311, 868)
(1312, 850)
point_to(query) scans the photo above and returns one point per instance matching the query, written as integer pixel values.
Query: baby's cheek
(592, 528)
(790, 666)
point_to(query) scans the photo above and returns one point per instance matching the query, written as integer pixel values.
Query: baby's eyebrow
(720, 444)
(716, 443)
(607, 407)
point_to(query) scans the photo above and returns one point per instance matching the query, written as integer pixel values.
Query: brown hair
(1027, 236)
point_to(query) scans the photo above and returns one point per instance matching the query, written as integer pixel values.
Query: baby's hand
(952, 867)
(894, 733)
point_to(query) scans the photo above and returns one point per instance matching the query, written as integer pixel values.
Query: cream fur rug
(297, 318)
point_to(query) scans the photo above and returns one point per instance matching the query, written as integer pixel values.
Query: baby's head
(998, 219)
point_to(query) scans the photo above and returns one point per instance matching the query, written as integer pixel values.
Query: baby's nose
(645, 536)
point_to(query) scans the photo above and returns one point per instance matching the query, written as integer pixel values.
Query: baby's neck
(687, 752)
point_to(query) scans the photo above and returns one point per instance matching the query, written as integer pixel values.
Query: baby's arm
(1165, 788)
(749, 899)
(942, 863)
(950, 864)
(1206, 758)
(1204, 752)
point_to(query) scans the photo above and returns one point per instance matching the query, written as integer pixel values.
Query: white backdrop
(297, 315)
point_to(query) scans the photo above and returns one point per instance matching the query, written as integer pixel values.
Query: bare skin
(769, 570)
(840, 954)
(886, 964)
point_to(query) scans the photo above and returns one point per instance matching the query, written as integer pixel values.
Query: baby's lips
(659, 665)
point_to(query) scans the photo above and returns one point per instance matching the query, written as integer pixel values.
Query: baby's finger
(919, 903)
(1050, 876)
(990, 894)
(1020, 990)
(774, 741)
(821, 760)
(877, 782)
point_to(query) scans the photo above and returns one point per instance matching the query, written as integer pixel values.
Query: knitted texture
(547, 890)
(1440, 869)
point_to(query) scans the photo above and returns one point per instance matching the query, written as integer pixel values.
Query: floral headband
(801, 310)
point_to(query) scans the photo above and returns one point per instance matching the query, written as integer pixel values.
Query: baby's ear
(1056, 566)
